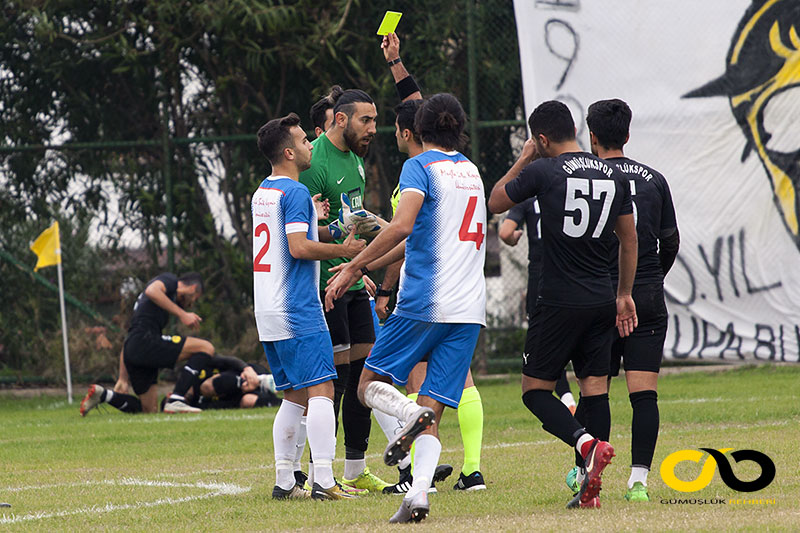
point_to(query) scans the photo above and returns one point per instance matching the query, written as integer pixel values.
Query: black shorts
(350, 320)
(644, 348)
(145, 353)
(557, 335)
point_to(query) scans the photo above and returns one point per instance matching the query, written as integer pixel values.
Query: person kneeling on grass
(146, 350)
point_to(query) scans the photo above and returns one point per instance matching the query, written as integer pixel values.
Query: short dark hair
(274, 136)
(192, 278)
(441, 121)
(346, 101)
(610, 121)
(553, 120)
(322, 105)
(406, 113)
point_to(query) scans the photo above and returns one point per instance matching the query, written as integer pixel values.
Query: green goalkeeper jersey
(332, 173)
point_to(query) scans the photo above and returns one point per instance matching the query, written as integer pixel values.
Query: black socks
(554, 415)
(339, 386)
(126, 403)
(355, 416)
(644, 428)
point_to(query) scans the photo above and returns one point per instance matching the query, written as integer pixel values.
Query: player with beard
(337, 170)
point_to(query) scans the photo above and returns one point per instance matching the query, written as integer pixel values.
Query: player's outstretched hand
(191, 319)
(344, 278)
(626, 315)
(323, 207)
(390, 46)
(353, 246)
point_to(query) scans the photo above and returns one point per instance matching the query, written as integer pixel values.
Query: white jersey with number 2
(286, 299)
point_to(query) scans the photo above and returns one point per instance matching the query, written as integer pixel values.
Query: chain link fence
(143, 211)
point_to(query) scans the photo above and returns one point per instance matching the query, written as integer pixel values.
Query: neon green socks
(470, 420)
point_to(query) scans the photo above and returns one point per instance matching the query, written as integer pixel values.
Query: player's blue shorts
(376, 322)
(302, 361)
(403, 342)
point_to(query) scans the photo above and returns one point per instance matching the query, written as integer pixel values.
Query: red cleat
(598, 457)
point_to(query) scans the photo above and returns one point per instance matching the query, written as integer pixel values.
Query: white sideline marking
(216, 489)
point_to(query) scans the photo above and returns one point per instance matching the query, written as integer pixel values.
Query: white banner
(715, 91)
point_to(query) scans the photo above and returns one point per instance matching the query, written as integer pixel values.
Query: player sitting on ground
(146, 350)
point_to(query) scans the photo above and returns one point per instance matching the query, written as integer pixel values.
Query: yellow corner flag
(48, 247)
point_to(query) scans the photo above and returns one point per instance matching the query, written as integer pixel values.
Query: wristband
(379, 291)
(394, 61)
(364, 270)
(406, 87)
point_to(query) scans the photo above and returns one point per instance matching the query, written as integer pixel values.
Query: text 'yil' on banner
(715, 91)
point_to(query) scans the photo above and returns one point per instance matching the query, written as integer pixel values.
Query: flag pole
(64, 327)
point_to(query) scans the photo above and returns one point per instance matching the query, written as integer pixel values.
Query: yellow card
(389, 22)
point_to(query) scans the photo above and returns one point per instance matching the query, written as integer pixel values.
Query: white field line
(268, 466)
(216, 489)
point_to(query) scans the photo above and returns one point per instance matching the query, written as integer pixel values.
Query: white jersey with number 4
(287, 303)
(442, 276)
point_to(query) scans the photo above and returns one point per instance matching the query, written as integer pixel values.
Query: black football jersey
(580, 197)
(147, 316)
(653, 212)
(528, 214)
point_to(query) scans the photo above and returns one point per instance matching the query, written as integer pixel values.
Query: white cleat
(414, 509)
(400, 445)
(177, 406)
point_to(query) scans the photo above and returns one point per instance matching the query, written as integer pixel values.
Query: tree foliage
(79, 72)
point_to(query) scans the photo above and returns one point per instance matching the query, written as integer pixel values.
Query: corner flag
(48, 247)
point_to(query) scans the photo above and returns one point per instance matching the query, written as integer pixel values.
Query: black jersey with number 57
(580, 197)
(653, 213)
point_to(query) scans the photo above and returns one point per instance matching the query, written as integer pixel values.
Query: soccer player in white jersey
(288, 309)
(441, 305)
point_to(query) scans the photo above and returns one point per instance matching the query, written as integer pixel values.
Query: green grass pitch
(214, 471)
